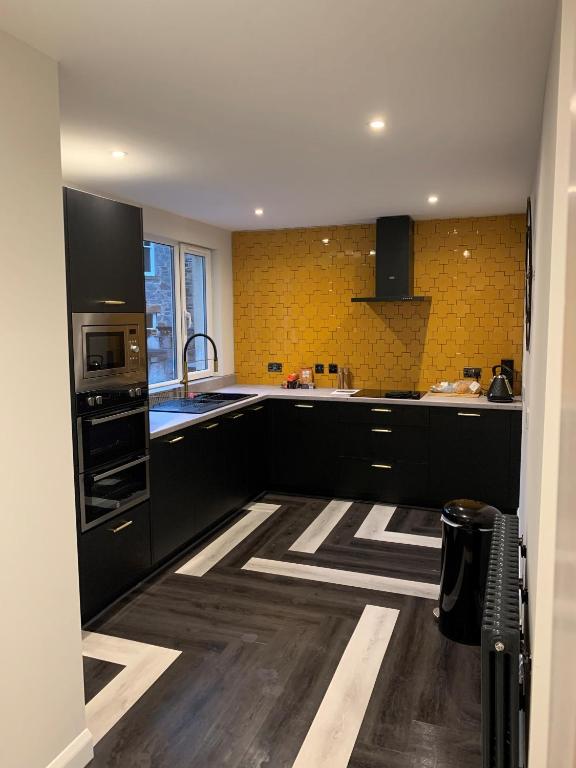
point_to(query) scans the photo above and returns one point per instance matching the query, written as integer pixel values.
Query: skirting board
(77, 754)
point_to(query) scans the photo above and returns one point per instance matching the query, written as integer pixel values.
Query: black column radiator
(501, 649)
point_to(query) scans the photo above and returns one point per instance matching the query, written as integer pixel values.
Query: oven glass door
(112, 437)
(105, 350)
(105, 494)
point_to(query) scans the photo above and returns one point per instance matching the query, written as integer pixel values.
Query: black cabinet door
(104, 249)
(247, 453)
(174, 516)
(237, 450)
(304, 445)
(207, 479)
(515, 458)
(257, 456)
(470, 455)
(112, 558)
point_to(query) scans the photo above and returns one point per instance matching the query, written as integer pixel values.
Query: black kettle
(500, 390)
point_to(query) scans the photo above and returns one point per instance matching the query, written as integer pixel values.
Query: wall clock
(529, 269)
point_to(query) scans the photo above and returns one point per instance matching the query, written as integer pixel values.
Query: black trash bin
(466, 536)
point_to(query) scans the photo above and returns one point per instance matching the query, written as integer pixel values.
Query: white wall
(543, 369)
(158, 223)
(562, 732)
(41, 696)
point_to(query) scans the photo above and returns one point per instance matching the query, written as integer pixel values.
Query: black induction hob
(393, 394)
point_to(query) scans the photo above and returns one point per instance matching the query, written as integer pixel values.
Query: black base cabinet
(202, 474)
(174, 517)
(395, 454)
(303, 446)
(474, 454)
(112, 558)
(383, 453)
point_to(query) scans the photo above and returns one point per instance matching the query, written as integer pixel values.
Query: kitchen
(266, 396)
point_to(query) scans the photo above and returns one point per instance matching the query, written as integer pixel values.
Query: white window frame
(206, 254)
(152, 272)
(178, 252)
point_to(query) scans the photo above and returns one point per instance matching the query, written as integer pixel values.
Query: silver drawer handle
(378, 429)
(211, 426)
(115, 416)
(110, 472)
(237, 416)
(461, 413)
(175, 440)
(257, 408)
(301, 405)
(381, 466)
(112, 301)
(381, 410)
(121, 526)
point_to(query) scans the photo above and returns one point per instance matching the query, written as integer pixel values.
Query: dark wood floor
(259, 651)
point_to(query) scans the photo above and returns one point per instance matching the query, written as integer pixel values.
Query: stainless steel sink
(200, 402)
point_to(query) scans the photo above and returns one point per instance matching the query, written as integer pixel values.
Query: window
(150, 258)
(178, 304)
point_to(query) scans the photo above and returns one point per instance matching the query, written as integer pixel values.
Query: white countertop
(164, 423)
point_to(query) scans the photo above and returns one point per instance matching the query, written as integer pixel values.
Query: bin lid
(470, 514)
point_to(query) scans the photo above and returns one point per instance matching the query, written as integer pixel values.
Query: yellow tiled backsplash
(292, 303)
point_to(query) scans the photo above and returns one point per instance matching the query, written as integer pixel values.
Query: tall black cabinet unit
(104, 245)
(105, 269)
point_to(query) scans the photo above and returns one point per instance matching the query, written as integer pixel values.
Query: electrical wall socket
(319, 368)
(332, 368)
(472, 373)
(274, 367)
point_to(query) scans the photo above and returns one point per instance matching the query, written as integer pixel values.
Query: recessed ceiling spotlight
(325, 240)
(259, 211)
(377, 124)
(466, 253)
(433, 199)
(118, 154)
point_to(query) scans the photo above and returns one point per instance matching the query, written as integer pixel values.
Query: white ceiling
(226, 105)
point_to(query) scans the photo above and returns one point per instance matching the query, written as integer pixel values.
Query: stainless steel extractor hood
(394, 261)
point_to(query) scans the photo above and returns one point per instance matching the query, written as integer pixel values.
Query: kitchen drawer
(384, 413)
(305, 410)
(373, 441)
(394, 482)
(112, 558)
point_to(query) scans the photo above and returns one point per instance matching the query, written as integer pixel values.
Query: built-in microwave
(109, 349)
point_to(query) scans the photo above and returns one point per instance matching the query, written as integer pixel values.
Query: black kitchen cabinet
(256, 454)
(304, 446)
(246, 452)
(105, 255)
(471, 456)
(175, 519)
(393, 454)
(190, 487)
(112, 558)
(383, 452)
(203, 473)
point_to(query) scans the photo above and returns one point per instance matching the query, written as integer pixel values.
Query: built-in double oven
(112, 430)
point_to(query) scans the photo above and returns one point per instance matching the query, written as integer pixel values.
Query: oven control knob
(91, 401)
(131, 393)
(134, 348)
(98, 399)
(138, 392)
